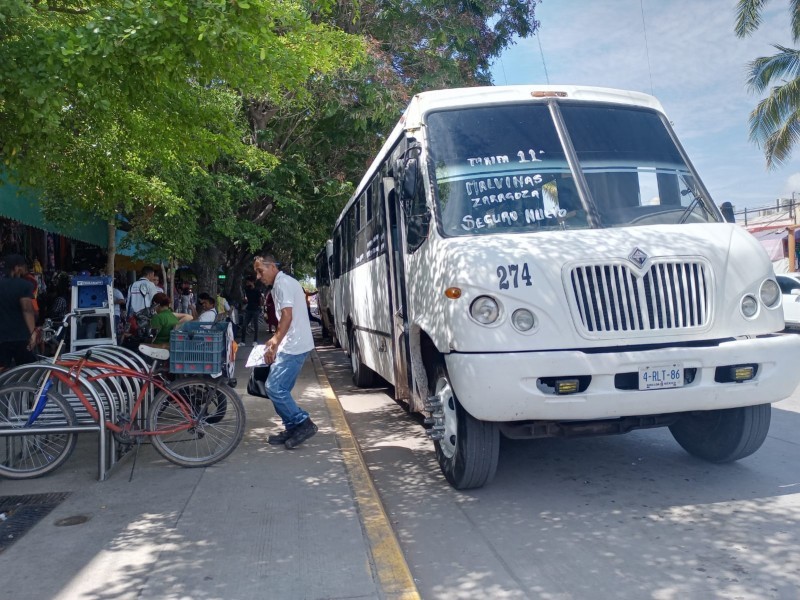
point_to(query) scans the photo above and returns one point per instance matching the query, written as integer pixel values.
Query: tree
(121, 106)
(775, 122)
(326, 139)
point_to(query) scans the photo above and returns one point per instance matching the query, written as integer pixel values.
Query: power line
(541, 52)
(503, 66)
(646, 48)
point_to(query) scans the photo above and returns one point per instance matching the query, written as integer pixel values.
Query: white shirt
(208, 316)
(288, 293)
(140, 295)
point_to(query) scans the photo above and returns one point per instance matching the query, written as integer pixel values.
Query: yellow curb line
(390, 565)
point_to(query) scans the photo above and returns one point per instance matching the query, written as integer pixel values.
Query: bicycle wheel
(210, 432)
(27, 456)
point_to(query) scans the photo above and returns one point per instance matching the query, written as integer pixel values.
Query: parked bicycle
(192, 421)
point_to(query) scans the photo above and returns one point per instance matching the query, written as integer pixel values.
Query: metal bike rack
(37, 371)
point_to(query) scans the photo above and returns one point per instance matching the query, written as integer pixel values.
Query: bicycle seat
(154, 353)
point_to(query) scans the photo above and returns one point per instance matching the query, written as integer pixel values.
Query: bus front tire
(725, 435)
(469, 449)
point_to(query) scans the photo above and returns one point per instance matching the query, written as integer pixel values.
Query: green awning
(26, 209)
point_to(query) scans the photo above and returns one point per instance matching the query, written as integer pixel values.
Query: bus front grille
(668, 296)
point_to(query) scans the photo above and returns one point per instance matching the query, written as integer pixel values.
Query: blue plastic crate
(196, 347)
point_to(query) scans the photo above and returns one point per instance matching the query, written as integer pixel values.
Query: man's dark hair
(12, 261)
(204, 296)
(147, 271)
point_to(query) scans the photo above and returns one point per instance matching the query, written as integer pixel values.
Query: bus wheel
(468, 449)
(725, 435)
(363, 376)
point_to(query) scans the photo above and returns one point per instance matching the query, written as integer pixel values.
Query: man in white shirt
(286, 352)
(141, 292)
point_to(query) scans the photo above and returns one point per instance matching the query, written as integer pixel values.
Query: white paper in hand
(256, 358)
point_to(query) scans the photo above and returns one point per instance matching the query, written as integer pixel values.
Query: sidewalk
(264, 523)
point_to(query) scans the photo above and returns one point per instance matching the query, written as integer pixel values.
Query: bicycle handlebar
(77, 312)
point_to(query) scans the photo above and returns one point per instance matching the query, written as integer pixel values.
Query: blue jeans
(282, 377)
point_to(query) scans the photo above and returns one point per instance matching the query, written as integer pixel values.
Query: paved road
(614, 517)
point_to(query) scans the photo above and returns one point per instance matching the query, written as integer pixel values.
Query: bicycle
(192, 422)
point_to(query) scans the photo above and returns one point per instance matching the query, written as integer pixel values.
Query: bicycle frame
(108, 371)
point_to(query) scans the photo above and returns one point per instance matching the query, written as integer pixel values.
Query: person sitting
(208, 312)
(164, 321)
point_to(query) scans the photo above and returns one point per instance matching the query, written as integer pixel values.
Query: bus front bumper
(510, 386)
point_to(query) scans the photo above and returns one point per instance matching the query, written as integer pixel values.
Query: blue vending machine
(96, 329)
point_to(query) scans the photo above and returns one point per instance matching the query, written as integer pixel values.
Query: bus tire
(469, 451)
(363, 376)
(725, 435)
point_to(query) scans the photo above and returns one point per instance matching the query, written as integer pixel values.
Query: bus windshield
(504, 169)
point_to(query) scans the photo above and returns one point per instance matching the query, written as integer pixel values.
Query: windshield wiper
(698, 199)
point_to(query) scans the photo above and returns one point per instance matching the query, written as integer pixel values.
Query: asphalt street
(629, 516)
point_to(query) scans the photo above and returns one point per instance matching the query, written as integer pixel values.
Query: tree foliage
(121, 106)
(775, 122)
(327, 140)
(220, 127)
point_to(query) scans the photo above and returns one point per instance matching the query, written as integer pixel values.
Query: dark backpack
(257, 384)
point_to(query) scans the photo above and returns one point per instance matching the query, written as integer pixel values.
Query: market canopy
(26, 208)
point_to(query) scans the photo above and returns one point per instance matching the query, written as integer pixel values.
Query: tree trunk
(206, 267)
(111, 229)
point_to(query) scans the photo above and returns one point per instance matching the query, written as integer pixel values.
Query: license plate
(659, 377)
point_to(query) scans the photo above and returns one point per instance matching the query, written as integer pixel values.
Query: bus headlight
(485, 310)
(770, 293)
(523, 319)
(749, 306)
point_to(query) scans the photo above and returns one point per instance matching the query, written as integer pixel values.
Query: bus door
(395, 247)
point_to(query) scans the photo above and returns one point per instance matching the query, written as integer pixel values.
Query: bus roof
(425, 102)
(483, 96)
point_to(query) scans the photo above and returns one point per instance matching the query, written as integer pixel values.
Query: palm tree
(775, 122)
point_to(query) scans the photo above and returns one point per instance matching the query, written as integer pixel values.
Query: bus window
(635, 172)
(501, 169)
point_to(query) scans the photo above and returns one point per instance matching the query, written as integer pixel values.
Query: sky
(697, 68)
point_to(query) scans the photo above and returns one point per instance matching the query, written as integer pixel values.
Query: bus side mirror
(408, 171)
(409, 182)
(727, 212)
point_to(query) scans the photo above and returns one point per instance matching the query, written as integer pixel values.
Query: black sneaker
(301, 433)
(280, 438)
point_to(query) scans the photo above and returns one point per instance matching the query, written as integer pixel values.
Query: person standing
(141, 292)
(252, 309)
(222, 305)
(119, 303)
(286, 352)
(311, 316)
(17, 320)
(269, 312)
(186, 301)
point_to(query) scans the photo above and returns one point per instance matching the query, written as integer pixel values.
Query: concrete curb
(388, 563)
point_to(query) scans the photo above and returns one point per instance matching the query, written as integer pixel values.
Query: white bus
(540, 261)
(323, 280)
